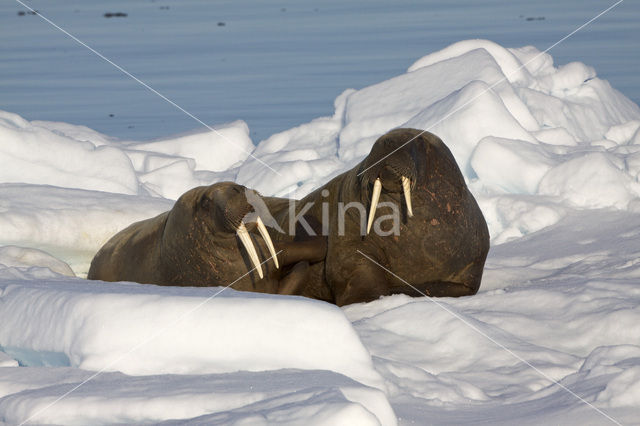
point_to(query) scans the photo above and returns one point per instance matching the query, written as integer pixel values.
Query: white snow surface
(552, 155)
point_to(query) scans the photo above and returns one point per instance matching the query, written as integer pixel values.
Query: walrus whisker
(377, 188)
(267, 239)
(243, 234)
(406, 187)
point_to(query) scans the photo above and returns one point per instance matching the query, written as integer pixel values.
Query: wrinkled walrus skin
(440, 250)
(196, 244)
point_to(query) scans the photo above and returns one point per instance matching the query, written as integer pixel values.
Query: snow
(272, 397)
(564, 299)
(203, 147)
(13, 256)
(36, 155)
(70, 224)
(551, 154)
(201, 327)
(524, 164)
(592, 180)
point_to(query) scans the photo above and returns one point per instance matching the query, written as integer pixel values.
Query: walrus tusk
(243, 234)
(377, 188)
(406, 187)
(267, 239)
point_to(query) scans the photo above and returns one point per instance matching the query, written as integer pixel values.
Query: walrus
(441, 239)
(204, 240)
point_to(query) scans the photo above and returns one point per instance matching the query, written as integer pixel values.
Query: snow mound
(506, 59)
(592, 180)
(524, 164)
(171, 166)
(7, 361)
(13, 256)
(37, 155)
(204, 148)
(176, 330)
(70, 224)
(70, 156)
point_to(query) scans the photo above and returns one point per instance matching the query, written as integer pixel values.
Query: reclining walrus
(203, 241)
(440, 241)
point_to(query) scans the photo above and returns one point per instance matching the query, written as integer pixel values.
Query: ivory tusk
(406, 187)
(267, 239)
(245, 238)
(377, 188)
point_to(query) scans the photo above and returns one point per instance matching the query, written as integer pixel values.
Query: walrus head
(223, 208)
(390, 168)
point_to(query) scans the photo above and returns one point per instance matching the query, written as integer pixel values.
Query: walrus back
(132, 254)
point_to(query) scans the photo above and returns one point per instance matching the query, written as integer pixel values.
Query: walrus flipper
(364, 281)
(295, 280)
(310, 250)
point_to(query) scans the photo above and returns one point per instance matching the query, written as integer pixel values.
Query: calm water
(273, 64)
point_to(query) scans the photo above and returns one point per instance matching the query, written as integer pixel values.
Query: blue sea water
(274, 64)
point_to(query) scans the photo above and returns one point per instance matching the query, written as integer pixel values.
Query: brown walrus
(204, 241)
(440, 241)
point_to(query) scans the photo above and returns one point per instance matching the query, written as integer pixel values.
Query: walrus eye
(205, 202)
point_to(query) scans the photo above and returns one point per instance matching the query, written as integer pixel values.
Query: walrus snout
(249, 221)
(404, 185)
(394, 172)
(243, 235)
(228, 203)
